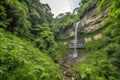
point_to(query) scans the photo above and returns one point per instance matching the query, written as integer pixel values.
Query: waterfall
(75, 41)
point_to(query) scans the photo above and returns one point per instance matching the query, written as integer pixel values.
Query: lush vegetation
(85, 7)
(31, 44)
(27, 42)
(19, 60)
(102, 62)
(29, 20)
(62, 23)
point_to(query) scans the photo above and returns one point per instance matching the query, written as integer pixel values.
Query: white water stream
(75, 53)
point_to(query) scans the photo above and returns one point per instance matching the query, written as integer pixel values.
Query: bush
(19, 60)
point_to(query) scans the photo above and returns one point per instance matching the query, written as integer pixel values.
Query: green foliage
(39, 43)
(44, 40)
(97, 66)
(29, 20)
(95, 45)
(114, 31)
(17, 12)
(63, 22)
(20, 60)
(62, 49)
(113, 51)
(2, 12)
(83, 1)
(3, 16)
(85, 7)
(102, 62)
(103, 4)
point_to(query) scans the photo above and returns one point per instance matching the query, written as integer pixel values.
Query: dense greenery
(28, 36)
(62, 23)
(19, 60)
(103, 60)
(85, 7)
(29, 20)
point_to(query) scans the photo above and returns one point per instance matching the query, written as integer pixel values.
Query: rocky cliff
(90, 22)
(93, 21)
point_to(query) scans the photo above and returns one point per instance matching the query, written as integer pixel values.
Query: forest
(33, 42)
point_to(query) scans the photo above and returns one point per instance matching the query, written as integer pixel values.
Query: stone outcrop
(68, 33)
(92, 21)
(88, 39)
(97, 36)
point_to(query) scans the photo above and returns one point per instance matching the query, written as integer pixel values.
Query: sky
(61, 6)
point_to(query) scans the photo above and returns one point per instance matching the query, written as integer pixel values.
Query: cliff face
(91, 21)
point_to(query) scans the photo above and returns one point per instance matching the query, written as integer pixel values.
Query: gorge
(83, 45)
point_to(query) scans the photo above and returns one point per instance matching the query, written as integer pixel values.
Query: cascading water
(75, 53)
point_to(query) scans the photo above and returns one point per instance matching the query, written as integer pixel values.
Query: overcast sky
(61, 6)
